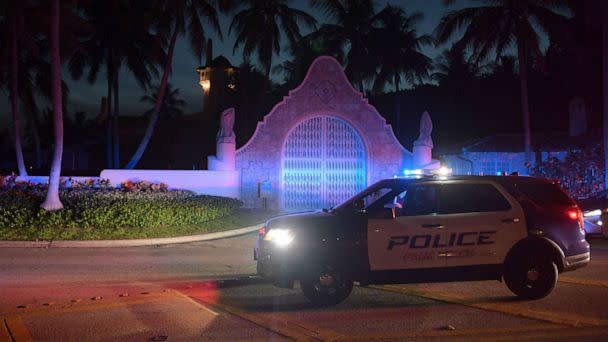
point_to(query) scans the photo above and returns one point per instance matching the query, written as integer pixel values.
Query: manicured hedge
(104, 208)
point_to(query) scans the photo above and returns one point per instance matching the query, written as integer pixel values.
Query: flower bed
(96, 210)
(581, 172)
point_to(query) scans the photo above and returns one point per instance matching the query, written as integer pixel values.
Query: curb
(130, 242)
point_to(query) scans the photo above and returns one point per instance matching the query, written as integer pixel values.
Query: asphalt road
(204, 292)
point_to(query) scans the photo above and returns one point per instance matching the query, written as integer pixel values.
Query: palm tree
(605, 88)
(258, 28)
(29, 66)
(303, 53)
(494, 28)
(396, 45)
(250, 98)
(172, 106)
(351, 27)
(52, 201)
(453, 69)
(31, 112)
(121, 37)
(180, 16)
(20, 38)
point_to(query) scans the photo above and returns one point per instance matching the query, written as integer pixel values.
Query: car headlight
(591, 213)
(280, 237)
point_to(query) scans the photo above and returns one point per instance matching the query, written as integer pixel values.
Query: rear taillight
(577, 215)
(262, 231)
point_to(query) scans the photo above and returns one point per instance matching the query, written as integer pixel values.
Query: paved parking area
(170, 294)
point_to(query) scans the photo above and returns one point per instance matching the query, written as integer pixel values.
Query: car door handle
(433, 225)
(510, 220)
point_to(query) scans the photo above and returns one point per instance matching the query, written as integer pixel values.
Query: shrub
(102, 207)
(581, 172)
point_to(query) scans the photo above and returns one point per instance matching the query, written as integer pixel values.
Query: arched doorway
(323, 164)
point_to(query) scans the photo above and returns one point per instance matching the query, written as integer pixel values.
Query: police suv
(524, 230)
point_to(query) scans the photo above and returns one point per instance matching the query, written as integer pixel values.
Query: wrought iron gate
(323, 164)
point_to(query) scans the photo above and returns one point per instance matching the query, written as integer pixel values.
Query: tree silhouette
(494, 28)
(179, 17)
(397, 47)
(172, 106)
(52, 201)
(350, 29)
(120, 37)
(261, 24)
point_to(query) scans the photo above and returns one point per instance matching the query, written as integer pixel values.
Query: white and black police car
(524, 230)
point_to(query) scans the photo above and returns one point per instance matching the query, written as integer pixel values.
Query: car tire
(327, 286)
(531, 277)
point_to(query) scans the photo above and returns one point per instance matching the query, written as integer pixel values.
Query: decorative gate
(323, 164)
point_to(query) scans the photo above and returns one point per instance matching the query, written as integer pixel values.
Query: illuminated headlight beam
(280, 237)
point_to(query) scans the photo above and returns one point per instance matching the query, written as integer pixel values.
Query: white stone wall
(215, 183)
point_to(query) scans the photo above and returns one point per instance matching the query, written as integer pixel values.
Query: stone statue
(225, 158)
(426, 127)
(226, 133)
(423, 146)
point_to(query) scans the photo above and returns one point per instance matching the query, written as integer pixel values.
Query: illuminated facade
(503, 153)
(320, 145)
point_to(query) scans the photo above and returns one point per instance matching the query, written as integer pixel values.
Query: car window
(544, 194)
(369, 199)
(416, 200)
(471, 198)
(366, 197)
(374, 196)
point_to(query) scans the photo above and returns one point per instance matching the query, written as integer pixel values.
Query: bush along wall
(580, 173)
(98, 206)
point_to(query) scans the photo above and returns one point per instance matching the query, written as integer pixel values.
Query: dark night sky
(86, 97)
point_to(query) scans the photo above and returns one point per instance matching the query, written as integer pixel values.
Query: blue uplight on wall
(323, 164)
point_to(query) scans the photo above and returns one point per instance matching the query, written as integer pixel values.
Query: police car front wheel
(531, 277)
(327, 286)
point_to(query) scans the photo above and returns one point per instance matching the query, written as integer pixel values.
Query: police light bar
(442, 171)
(416, 172)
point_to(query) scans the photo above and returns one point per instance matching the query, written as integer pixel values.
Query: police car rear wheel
(532, 277)
(326, 287)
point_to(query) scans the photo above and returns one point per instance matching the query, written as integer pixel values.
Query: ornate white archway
(327, 94)
(323, 163)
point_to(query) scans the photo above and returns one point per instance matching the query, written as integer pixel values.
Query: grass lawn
(239, 219)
